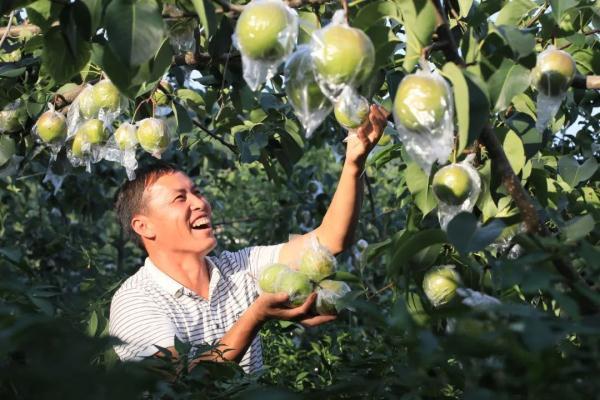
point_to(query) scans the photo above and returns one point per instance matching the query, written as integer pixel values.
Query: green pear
(329, 293)
(106, 96)
(51, 127)
(452, 185)
(343, 55)
(317, 264)
(296, 285)
(93, 131)
(269, 277)
(126, 136)
(420, 102)
(352, 114)
(152, 135)
(440, 284)
(258, 30)
(554, 72)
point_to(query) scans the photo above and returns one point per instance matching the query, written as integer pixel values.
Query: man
(182, 292)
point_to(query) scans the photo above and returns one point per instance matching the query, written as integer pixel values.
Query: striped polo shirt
(151, 308)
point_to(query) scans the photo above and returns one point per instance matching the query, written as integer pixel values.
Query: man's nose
(199, 203)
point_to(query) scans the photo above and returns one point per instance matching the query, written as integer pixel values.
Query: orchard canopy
(475, 273)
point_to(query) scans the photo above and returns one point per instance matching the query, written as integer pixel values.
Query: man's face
(179, 215)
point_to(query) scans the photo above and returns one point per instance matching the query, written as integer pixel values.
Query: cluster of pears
(315, 266)
(104, 99)
(341, 55)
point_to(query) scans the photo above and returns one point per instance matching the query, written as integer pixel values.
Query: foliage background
(62, 255)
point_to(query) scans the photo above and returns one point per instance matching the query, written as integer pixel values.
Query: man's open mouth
(201, 223)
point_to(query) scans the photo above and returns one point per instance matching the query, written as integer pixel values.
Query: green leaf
(11, 71)
(418, 185)
(409, 244)
(419, 23)
(75, 22)
(184, 122)
(514, 11)
(578, 228)
(92, 324)
(59, 59)
(508, 81)
(135, 30)
(472, 111)
(513, 147)
(371, 13)
(560, 6)
(308, 23)
(134, 81)
(8, 5)
(43, 13)
(208, 18)
(573, 173)
(467, 237)
(521, 43)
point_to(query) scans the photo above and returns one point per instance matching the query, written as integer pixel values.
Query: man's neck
(189, 270)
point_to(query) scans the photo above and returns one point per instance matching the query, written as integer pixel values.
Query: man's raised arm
(336, 231)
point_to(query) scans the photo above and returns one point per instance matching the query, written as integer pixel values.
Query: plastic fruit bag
(310, 105)
(424, 117)
(265, 35)
(153, 136)
(440, 284)
(342, 56)
(87, 146)
(552, 77)
(457, 187)
(329, 293)
(121, 148)
(316, 261)
(269, 275)
(351, 110)
(51, 129)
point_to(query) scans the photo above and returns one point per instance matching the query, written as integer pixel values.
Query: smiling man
(182, 292)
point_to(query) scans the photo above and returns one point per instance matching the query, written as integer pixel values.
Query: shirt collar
(169, 284)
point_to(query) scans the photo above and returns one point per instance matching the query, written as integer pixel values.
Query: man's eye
(180, 197)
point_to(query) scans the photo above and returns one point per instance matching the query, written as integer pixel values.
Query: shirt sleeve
(140, 324)
(251, 259)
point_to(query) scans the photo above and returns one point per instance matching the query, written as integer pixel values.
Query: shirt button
(179, 293)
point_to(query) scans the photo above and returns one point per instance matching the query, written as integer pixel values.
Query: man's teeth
(200, 222)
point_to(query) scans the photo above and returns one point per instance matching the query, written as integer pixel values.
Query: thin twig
(537, 16)
(5, 35)
(212, 135)
(345, 7)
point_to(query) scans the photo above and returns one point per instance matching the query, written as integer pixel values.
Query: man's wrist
(354, 167)
(254, 314)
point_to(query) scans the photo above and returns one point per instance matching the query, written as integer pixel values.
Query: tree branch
(15, 31)
(5, 34)
(212, 135)
(508, 177)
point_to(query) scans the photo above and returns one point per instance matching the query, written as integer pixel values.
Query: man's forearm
(236, 341)
(339, 223)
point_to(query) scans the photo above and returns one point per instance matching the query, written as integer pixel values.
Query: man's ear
(142, 226)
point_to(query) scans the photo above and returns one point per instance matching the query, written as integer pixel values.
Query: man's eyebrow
(183, 190)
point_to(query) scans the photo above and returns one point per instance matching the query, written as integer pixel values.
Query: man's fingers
(317, 320)
(279, 298)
